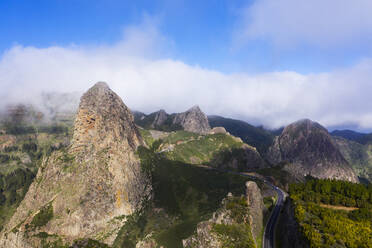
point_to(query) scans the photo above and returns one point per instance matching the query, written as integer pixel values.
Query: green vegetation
(173, 137)
(20, 129)
(333, 192)
(238, 234)
(43, 216)
(254, 136)
(324, 227)
(281, 177)
(167, 126)
(186, 194)
(234, 236)
(88, 243)
(197, 149)
(13, 188)
(20, 160)
(358, 155)
(146, 135)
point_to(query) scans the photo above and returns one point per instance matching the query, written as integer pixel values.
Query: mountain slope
(361, 138)
(359, 156)
(85, 190)
(254, 136)
(309, 150)
(219, 150)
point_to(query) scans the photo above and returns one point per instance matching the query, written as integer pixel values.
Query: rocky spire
(102, 118)
(96, 180)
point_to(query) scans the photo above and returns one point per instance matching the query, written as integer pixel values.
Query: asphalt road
(269, 232)
(268, 240)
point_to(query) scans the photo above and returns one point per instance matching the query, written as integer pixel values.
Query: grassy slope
(254, 136)
(195, 149)
(186, 193)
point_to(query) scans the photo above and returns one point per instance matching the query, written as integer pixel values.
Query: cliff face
(91, 186)
(310, 150)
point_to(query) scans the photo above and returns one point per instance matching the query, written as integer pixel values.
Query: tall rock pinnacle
(90, 184)
(103, 118)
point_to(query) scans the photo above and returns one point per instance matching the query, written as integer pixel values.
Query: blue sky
(202, 32)
(269, 62)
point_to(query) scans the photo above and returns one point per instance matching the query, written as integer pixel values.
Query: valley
(100, 176)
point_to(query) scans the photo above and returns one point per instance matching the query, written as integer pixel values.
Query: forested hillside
(333, 213)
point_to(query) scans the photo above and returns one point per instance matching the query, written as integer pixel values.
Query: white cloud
(149, 83)
(323, 23)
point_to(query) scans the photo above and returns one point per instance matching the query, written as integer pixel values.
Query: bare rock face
(90, 187)
(256, 208)
(308, 149)
(160, 118)
(193, 120)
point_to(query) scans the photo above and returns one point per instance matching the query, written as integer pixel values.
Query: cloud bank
(147, 81)
(316, 22)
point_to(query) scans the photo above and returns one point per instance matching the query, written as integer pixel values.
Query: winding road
(268, 240)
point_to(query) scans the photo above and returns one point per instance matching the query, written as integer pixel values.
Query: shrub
(43, 217)
(234, 236)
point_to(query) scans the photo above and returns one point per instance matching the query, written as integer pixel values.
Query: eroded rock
(91, 184)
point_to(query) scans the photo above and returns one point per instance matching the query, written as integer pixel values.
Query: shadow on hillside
(184, 195)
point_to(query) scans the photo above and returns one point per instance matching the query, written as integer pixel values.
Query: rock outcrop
(160, 118)
(308, 149)
(216, 130)
(193, 120)
(86, 190)
(239, 212)
(256, 209)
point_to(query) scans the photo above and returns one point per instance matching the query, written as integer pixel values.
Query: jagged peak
(194, 108)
